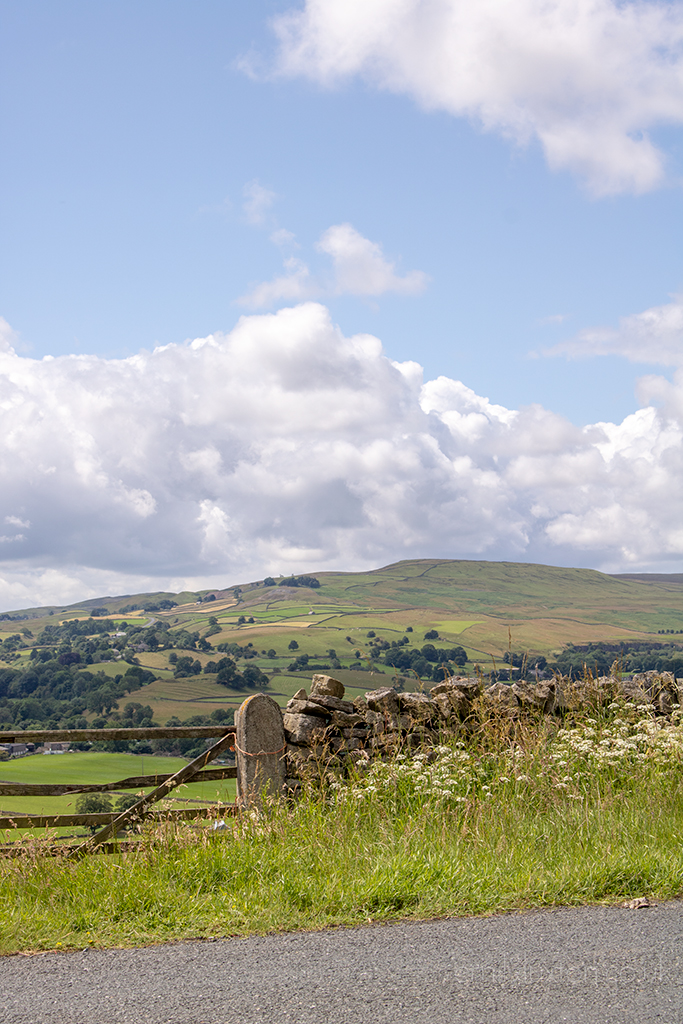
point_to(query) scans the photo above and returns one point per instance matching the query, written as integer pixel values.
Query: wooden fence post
(260, 748)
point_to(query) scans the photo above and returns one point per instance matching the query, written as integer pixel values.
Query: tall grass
(589, 812)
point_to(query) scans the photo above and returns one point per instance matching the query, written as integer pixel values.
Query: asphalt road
(592, 965)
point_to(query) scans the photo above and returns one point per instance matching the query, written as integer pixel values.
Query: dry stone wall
(385, 720)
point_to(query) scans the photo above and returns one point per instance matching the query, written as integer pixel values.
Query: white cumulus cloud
(257, 202)
(654, 336)
(285, 446)
(359, 267)
(295, 284)
(587, 78)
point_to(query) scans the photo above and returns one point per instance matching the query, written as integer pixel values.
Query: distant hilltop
(543, 604)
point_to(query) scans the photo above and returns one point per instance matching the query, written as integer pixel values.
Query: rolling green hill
(487, 608)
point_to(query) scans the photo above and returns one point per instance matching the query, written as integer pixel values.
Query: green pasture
(93, 767)
(487, 608)
(284, 685)
(495, 588)
(183, 698)
(455, 626)
(80, 766)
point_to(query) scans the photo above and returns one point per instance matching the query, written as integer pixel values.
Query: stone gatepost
(260, 749)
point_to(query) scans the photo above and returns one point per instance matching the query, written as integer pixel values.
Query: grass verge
(592, 813)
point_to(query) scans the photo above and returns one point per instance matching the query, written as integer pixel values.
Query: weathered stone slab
(353, 744)
(383, 721)
(385, 700)
(418, 706)
(536, 695)
(462, 685)
(342, 720)
(444, 705)
(651, 684)
(298, 754)
(450, 700)
(374, 719)
(664, 702)
(344, 745)
(354, 733)
(333, 703)
(659, 688)
(502, 694)
(306, 707)
(387, 741)
(418, 736)
(408, 701)
(326, 686)
(260, 748)
(303, 729)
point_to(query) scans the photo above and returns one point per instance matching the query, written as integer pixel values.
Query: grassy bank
(591, 812)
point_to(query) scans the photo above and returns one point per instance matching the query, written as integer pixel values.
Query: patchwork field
(488, 608)
(473, 603)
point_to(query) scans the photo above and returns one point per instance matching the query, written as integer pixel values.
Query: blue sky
(165, 162)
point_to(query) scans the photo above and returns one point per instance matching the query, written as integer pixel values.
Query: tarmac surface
(588, 965)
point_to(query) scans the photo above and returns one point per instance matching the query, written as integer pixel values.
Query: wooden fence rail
(65, 820)
(133, 782)
(57, 849)
(82, 735)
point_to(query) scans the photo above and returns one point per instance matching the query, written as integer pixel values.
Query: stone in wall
(658, 688)
(384, 700)
(297, 706)
(454, 698)
(535, 696)
(326, 686)
(418, 706)
(332, 703)
(502, 693)
(304, 730)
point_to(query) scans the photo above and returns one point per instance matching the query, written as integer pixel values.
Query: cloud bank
(586, 78)
(285, 446)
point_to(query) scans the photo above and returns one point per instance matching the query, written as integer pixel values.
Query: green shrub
(94, 803)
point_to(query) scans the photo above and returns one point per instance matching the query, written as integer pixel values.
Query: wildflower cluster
(632, 735)
(446, 775)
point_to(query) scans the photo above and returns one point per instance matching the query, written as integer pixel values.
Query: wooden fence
(114, 822)
(258, 739)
